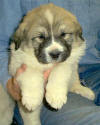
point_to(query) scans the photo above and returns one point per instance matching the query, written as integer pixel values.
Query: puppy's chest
(19, 57)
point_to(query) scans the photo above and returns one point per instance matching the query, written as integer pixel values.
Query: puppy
(49, 36)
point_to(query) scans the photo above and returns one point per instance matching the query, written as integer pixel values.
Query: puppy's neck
(47, 72)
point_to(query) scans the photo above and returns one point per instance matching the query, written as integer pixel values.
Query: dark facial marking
(46, 41)
(40, 50)
(17, 42)
(18, 38)
(67, 47)
(80, 35)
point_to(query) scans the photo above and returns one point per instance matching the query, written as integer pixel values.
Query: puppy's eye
(63, 34)
(41, 37)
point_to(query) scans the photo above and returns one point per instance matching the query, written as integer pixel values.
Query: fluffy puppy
(48, 35)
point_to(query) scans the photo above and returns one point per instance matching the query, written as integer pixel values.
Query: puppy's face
(51, 32)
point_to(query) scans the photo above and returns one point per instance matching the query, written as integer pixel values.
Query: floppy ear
(19, 36)
(80, 34)
(79, 37)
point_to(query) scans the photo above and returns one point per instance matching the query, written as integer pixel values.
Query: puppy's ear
(19, 36)
(80, 34)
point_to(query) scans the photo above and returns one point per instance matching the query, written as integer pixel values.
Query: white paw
(31, 102)
(85, 92)
(56, 98)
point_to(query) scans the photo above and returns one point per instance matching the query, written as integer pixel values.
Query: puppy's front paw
(56, 97)
(31, 102)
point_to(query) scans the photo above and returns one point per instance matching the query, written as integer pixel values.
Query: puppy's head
(52, 33)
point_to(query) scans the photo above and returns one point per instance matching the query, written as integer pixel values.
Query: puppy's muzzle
(55, 54)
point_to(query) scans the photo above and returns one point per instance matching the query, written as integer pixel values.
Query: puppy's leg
(30, 118)
(79, 89)
(32, 88)
(58, 84)
(6, 107)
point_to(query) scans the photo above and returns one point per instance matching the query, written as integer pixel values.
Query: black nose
(55, 54)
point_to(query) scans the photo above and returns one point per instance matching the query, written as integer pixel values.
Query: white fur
(61, 80)
(6, 107)
(54, 45)
(49, 17)
(30, 118)
(32, 86)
